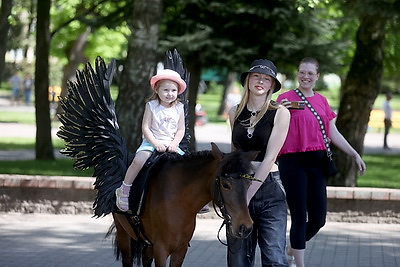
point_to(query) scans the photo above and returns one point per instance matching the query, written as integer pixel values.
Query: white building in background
(16, 56)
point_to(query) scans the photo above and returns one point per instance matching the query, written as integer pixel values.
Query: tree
(44, 146)
(5, 11)
(363, 81)
(81, 32)
(138, 68)
(230, 34)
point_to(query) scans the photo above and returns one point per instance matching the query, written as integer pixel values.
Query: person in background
(27, 88)
(232, 98)
(16, 82)
(260, 124)
(303, 157)
(387, 109)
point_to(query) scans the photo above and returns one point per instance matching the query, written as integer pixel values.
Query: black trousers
(304, 181)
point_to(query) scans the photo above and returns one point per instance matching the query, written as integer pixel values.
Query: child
(163, 127)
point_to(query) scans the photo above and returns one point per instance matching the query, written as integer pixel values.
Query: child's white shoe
(122, 194)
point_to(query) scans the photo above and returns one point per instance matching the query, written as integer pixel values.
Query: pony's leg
(160, 256)
(176, 259)
(124, 244)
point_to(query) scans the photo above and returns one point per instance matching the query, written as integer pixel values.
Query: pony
(178, 187)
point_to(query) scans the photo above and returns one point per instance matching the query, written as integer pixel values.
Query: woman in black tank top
(260, 124)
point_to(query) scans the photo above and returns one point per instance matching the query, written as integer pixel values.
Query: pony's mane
(235, 162)
(204, 154)
(175, 157)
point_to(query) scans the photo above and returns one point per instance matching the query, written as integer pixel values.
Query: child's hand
(172, 148)
(160, 147)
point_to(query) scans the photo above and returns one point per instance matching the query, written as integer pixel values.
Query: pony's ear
(216, 152)
(251, 155)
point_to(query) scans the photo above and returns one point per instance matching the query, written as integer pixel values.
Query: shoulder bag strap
(321, 124)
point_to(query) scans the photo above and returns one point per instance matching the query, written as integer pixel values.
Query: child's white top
(164, 123)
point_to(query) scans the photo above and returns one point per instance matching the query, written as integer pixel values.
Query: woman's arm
(339, 141)
(147, 118)
(275, 143)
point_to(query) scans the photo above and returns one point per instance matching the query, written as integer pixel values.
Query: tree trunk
(29, 29)
(138, 69)
(44, 146)
(359, 92)
(5, 12)
(75, 57)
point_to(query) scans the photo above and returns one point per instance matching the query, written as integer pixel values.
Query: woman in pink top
(301, 160)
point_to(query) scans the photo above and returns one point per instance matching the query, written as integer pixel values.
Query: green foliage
(108, 37)
(108, 43)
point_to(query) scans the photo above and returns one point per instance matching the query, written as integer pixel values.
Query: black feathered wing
(91, 132)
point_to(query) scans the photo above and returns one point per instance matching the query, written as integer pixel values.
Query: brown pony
(177, 190)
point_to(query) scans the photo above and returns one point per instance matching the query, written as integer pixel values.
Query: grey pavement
(38, 240)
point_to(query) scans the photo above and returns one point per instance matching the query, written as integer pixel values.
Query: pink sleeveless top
(304, 132)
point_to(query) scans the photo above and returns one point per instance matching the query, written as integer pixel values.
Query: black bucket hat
(263, 66)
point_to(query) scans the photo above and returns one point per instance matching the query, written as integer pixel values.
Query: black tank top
(259, 140)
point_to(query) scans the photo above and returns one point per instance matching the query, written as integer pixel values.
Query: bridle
(217, 195)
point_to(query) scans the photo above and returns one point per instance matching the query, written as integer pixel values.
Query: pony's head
(231, 187)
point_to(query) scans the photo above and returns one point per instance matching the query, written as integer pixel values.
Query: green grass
(21, 143)
(382, 172)
(59, 167)
(210, 103)
(15, 116)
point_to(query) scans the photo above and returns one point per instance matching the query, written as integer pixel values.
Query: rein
(227, 220)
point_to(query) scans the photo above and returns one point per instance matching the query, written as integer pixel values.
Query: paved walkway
(39, 240)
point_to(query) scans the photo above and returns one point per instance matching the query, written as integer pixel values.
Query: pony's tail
(137, 247)
(112, 232)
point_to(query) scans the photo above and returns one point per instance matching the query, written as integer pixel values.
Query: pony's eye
(226, 185)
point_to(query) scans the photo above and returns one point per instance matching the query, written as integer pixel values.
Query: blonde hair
(267, 105)
(155, 95)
